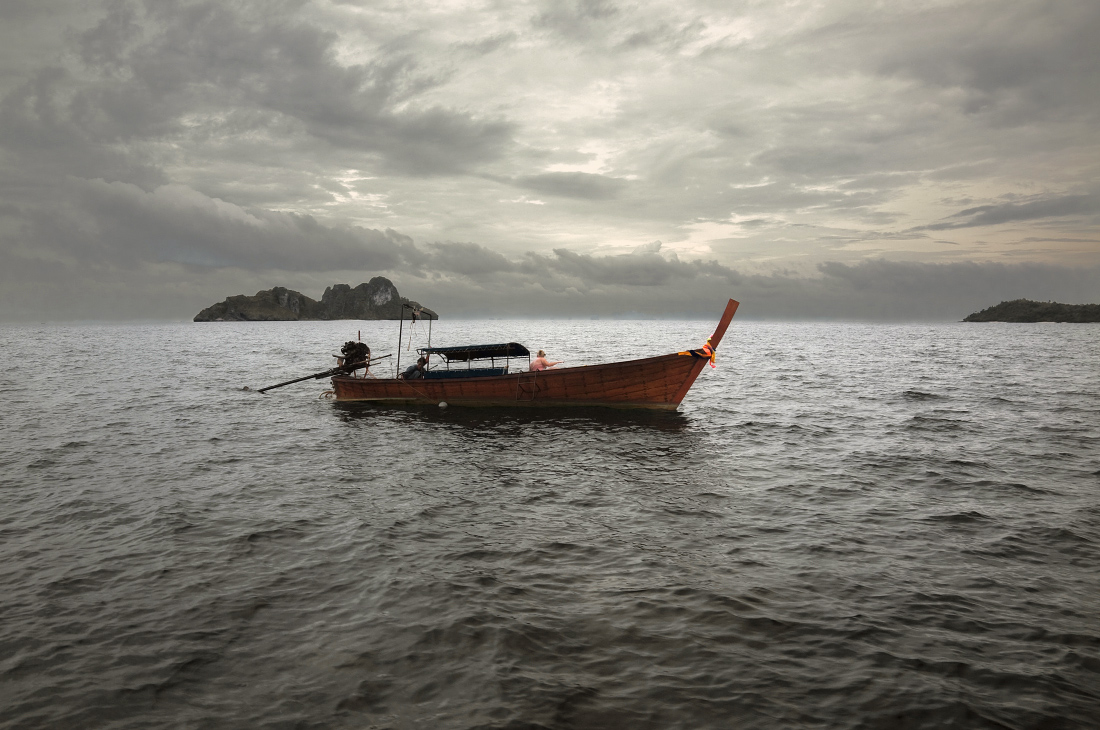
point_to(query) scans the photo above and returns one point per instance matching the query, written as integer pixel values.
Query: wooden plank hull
(650, 383)
(655, 382)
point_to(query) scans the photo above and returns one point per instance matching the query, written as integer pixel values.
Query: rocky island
(376, 299)
(1025, 310)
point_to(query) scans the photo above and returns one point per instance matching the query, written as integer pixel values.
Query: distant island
(1025, 310)
(376, 299)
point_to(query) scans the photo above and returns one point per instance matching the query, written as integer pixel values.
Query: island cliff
(376, 299)
(1025, 310)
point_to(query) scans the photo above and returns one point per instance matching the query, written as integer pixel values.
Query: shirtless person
(541, 363)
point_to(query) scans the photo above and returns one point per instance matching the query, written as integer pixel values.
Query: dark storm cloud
(112, 233)
(989, 215)
(252, 144)
(51, 130)
(177, 68)
(119, 223)
(100, 224)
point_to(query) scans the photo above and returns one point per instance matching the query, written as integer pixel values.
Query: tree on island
(1026, 310)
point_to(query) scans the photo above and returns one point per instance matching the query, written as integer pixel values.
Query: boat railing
(444, 373)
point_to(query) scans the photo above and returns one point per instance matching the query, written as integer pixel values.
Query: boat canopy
(465, 353)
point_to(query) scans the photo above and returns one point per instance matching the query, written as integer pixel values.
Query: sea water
(844, 526)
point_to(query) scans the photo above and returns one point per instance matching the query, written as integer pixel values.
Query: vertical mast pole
(400, 329)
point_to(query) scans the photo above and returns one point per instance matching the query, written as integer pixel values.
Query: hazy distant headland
(376, 299)
(1025, 310)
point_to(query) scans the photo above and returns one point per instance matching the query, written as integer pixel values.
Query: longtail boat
(654, 382)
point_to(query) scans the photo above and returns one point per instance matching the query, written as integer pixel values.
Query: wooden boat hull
(655, 382)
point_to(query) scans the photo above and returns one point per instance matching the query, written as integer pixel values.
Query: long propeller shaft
(340, 370)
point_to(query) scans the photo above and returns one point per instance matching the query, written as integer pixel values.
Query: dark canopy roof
(478, 352)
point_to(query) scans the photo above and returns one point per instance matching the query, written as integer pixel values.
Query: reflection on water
(578, 419)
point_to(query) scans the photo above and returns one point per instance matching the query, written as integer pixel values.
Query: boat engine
(354, 352)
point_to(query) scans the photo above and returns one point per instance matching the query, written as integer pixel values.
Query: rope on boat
(419, 393)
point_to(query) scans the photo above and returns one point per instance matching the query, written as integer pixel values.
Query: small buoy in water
(442, 404)
(246, 388)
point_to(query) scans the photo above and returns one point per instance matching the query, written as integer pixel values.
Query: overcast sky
(824, 159)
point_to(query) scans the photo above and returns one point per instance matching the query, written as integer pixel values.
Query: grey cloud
(1012, 61)
(789, 196)
(154, 77)
(989, 215)
(574, 18)
(487, 45)
(96, 220)
(219, 140)
(804, 160)
(635, 269)
(873, 290)
(881, 180)
(607, 27)
(120, 223)
(881, 289)
(1035, 239)
(1044, 49)
(45, 130)
(567, 269)
(467, 259)
(582, 185)
(112, 233)
(667, 36)
(651, 247)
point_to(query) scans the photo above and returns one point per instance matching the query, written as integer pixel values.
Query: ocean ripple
(845, 526)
